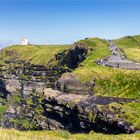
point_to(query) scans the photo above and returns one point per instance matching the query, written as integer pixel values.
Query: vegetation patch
(109, 81)
(35, 54)
(61, 135)
(120, 85)
(128, 111)
(131, 47)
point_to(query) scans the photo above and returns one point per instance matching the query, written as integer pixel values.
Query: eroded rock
(74, 56)
(69, 84)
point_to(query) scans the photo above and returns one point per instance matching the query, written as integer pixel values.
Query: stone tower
(25, 41)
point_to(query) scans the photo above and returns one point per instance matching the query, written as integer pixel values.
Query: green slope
(109, 81)
(37, 54)
(131, 47)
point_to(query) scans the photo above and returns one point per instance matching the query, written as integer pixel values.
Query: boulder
(69, 84)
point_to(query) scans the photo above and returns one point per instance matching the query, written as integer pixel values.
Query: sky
(66, 21)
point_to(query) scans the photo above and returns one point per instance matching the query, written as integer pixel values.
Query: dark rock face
(55, 110)
(3, 91)
(20, 81)
(69, 84)
(27, 78)
(74, 56)
(78, 113)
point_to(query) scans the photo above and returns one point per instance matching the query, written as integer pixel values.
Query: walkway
(118, 60)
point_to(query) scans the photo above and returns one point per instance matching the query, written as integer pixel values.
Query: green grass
(61, 135)
(127, 42)
(130, 112)
(120, 85)
(2, 109)
(109, 81)
(131, 46)
(133, 54)
(89, 68)
(37, 54)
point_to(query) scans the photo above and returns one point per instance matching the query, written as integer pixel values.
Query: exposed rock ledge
(81, 113)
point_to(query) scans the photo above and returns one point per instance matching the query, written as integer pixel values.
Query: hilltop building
(25, 41)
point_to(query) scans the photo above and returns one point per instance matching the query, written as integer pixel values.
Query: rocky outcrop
(74, 56)
(69, 84)
(54, 110)
(27, 78)
(81, 113)
(22, 85)
(17, 75)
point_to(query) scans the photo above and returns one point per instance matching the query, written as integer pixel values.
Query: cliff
(30, 99)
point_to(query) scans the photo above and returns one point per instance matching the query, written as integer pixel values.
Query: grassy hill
(112, 81)
(109, 81)
(35, 54)
(131, 46)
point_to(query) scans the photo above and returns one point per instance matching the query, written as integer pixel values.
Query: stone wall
(124, 65)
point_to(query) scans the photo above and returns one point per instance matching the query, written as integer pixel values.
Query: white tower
(25, 41)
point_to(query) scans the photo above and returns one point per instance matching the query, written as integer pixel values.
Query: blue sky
(65, 21)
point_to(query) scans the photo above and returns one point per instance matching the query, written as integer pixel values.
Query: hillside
(109, 81)
(84, 96)
(35, 54)
(131, 46)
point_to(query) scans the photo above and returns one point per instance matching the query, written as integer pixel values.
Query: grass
(133, 54)
(128, 42)
(131, 47)
(128, 111)
(61, 135)
(89, 68)
(35, 54)
(120, 85)
(109, 81)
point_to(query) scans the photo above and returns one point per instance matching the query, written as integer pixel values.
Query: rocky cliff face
(83, 113)
(17, 75)
(24, 77)
(22, 86)
(27, 103)
(74, 56)
(69, 84)
(54, 110)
